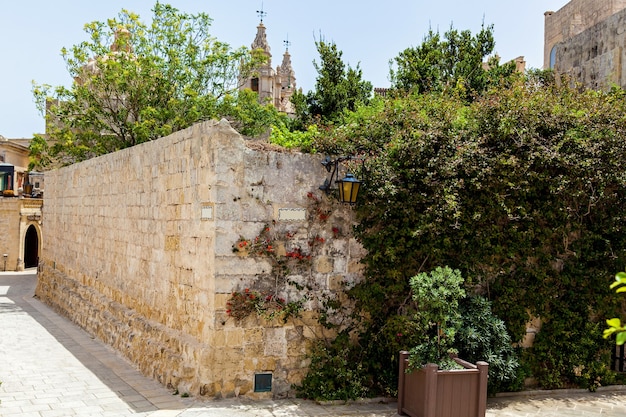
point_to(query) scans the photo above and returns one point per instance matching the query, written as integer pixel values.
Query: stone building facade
(21, 237)
(275, 86)
(20, 217)
(147, 247)
(13, 164)
(586, 39)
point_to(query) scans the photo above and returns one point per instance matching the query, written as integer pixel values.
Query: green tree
(454, 61)
(338, 87)
(135, 82)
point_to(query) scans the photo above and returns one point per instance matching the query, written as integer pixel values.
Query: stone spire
(286, 72)
(260, 41)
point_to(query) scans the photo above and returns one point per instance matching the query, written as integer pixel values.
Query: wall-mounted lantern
(348, 186)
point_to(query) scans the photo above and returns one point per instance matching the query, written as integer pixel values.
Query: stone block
(234, 337)
(275, 342)
(323, 265)
(336, 283)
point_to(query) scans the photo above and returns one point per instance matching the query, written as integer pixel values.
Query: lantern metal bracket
(332, 165)
(348, 187)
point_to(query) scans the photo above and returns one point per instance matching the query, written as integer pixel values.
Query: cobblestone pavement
(49, 367)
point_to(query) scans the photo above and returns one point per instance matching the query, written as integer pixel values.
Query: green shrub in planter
(436, 295)
(453, 323)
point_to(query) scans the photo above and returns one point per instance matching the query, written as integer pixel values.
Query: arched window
(552, 57)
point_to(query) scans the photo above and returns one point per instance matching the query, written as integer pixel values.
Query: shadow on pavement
(17, 295)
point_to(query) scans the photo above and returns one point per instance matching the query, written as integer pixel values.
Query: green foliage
(454, 61)
(483, 337)
(247, 115)
(450, 323)
(135, 82)
(615, 324)
(569, 351)
(337, 88)
(335, 373)
(282, 136)
(520, 190)
(436, 295)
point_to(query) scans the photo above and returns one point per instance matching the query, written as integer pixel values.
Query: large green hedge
(520, 190)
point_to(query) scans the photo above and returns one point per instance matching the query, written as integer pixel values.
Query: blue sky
(369, 33)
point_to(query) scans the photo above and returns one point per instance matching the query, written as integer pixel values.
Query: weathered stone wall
(139, 251)
(574, 18)
(596, 56)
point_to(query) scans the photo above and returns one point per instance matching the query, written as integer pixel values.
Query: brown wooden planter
(429, 392)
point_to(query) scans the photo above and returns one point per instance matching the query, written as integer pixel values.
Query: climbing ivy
(520, 190)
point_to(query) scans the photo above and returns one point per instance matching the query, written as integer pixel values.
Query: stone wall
(141, 251)
(574, 18)
(596, 56)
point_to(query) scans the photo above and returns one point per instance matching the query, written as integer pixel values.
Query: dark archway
(31, 248)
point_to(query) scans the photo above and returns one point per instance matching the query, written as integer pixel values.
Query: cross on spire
(261, 13)
(287, 43)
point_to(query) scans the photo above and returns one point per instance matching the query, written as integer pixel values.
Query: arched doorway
(31, 248)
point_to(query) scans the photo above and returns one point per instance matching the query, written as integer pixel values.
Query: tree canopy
(135, 82)
(338, 87)
(448, 62)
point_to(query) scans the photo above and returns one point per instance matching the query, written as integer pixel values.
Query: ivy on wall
(520, 190)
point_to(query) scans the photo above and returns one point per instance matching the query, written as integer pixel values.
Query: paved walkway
(49, 367)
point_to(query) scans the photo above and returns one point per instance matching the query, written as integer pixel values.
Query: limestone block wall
(141, 251)
(574, 18)
(596, 57)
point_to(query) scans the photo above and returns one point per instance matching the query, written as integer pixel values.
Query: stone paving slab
(52, 368)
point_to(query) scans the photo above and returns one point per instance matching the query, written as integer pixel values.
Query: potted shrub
(432, 380)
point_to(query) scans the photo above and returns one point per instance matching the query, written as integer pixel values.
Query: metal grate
(263, 382)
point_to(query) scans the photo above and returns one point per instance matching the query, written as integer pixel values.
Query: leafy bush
(571, 352)
(450, 322)
(483, 337)
(437, 296)
(283, 136)
(334, 373)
